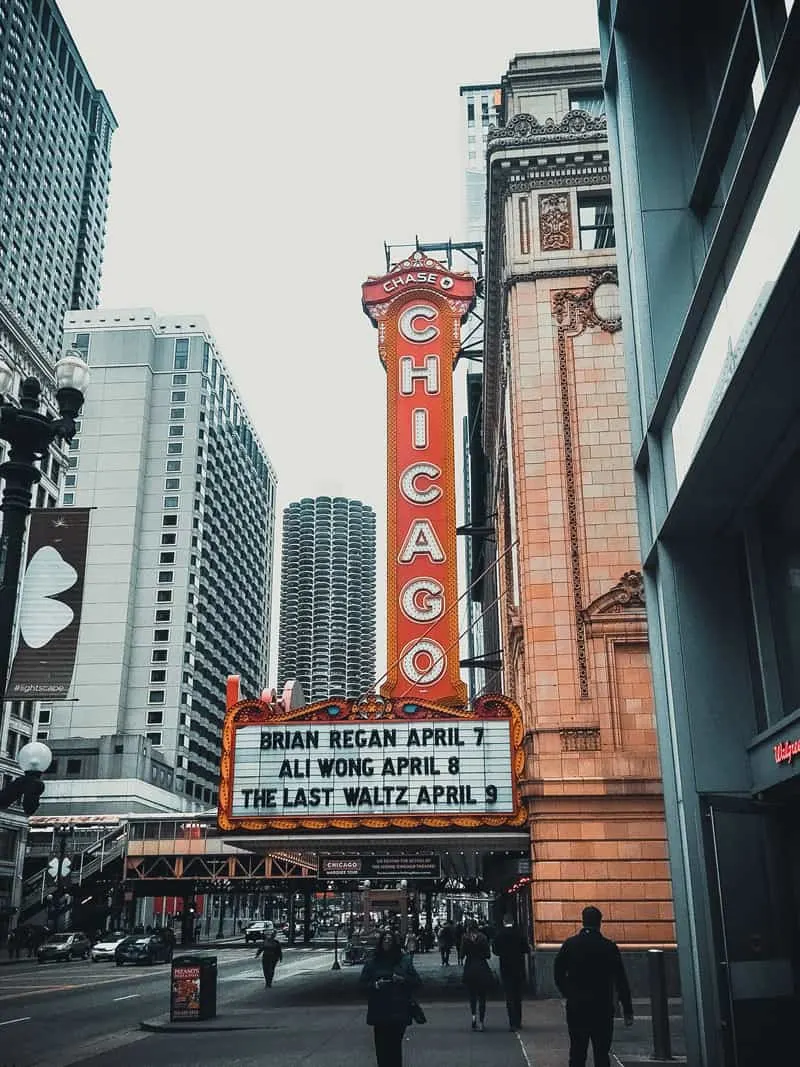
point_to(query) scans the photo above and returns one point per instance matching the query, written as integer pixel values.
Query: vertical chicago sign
(418, 308)
(417, 756)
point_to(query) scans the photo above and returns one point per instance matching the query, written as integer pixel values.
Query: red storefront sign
(418, 308)
(785, 751)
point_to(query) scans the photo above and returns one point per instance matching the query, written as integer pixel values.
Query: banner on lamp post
(49, 613)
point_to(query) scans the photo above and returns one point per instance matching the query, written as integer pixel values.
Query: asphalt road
(53, 1015)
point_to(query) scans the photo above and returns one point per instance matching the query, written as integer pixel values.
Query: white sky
(265, 152)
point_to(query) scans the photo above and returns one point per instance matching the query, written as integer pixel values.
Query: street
(91, 1014)
(52, 1015)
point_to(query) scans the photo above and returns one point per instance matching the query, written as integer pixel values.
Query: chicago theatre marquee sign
(416, 754)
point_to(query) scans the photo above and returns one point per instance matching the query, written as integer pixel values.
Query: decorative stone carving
(626, 595)
(555, 222)
(525, 127)
(575, 309)
(580, 738)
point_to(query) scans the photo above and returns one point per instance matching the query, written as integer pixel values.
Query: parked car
(64, 947)
(105, 947)
(255, 930)
(145, 948)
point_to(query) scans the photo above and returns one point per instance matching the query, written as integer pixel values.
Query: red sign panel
(418, 308)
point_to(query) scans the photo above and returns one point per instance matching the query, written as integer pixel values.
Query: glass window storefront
(780, 536)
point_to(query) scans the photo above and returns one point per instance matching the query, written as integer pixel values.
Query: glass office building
(702, 102)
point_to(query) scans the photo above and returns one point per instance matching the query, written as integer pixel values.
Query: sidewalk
(543, 1037)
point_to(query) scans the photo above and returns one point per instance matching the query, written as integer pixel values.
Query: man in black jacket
(512, 948)
(587, 970)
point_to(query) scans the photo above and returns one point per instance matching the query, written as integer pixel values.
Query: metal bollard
(659, 1004)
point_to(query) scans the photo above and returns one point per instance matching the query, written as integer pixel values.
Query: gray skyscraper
(55, 134)
(327, 619)
(179, 566)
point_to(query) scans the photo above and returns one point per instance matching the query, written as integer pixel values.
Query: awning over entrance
(463, 854)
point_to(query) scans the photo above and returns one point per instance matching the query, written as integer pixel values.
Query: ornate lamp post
(29, 432)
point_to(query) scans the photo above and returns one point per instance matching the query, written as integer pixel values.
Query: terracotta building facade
(556, 437)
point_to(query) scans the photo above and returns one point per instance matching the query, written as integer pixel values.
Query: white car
(256, 930)
(105, 948)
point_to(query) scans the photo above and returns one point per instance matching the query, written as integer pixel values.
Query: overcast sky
(265, 152)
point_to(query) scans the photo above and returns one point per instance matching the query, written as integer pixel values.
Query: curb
(161, 1024)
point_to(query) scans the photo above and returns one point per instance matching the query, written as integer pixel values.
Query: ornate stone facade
(573, 619)
(555, 222)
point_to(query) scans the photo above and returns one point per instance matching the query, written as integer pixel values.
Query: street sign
(421, 866)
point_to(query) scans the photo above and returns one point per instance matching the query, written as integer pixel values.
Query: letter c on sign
(423, 661)
(411, 490)
(408, 323)
(422, 599)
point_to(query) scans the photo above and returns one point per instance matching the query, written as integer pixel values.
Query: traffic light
(27, 790)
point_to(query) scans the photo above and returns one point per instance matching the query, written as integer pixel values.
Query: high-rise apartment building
(55, 136)
(55, 132)
(179, 565)
(482, 106)
(327, 615)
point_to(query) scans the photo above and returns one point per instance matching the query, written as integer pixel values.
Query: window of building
(589, 100)
(596, 220)
(81, 343)
(179, 396)
(169, 520)
(154, 737)
(159, 655)
(174, 465)
(71, 480)
(172, 483)
(161, 635)
(780, 539)
(176, 431)
(163, 615)
(158, 676)
(168, 538)
(72, 462)
(166, 557)
(42, 735)
(177, 413)
(156, 696)
(45, 714)
(68, 498)
(179, 379)
(166, 576)
(164, 596)
(181, 360)
(471, 111)
(74, 766)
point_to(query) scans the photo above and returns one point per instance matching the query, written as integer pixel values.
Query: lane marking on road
(524, 1051)
(21, 1019)
(130, 996)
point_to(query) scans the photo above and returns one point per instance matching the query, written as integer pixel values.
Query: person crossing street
(271, 954)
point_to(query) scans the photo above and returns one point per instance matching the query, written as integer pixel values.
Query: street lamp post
(29, 432)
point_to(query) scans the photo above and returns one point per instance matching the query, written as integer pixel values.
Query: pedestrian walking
(390, 979)
(477, 975)
(459, 939)
(511, 948)
(588, 969)
(447, 939)
(271, 954)
(411, 944)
